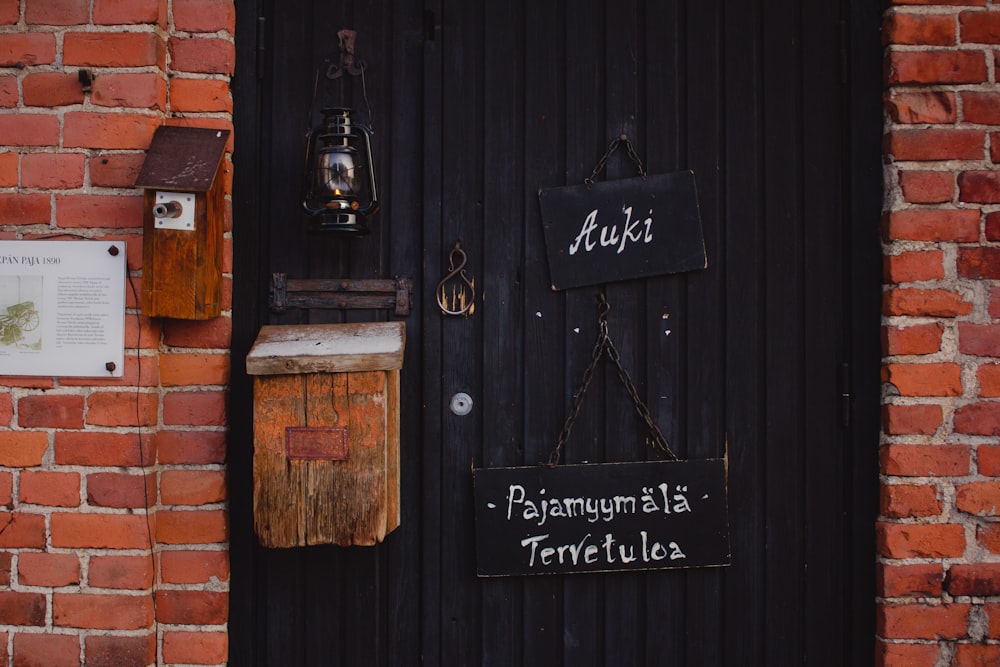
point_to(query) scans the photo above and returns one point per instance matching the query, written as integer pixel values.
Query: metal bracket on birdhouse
(340, 293)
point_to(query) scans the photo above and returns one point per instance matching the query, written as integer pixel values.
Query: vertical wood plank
(743, 169)
(783, 350)
(502, 311)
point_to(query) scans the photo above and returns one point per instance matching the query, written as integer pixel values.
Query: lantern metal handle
(373, 204)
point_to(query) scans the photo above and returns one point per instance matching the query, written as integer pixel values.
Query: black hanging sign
(601, 517)
(618, 230)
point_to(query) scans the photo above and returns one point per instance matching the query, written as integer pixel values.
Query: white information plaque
(62, 308)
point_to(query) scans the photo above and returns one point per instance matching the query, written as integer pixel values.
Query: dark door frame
(861, 58)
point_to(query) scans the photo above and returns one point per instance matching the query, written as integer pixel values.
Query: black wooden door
(768, 356)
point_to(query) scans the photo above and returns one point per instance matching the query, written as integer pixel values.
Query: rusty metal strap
(337, 293)
(603, 345)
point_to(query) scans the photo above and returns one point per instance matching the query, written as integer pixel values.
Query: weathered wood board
(309, 488)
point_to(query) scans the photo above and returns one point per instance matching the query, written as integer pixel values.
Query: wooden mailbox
(326, 432)
(183, 219)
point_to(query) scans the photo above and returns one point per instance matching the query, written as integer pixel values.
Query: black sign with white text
(619, 230)
(601, 517)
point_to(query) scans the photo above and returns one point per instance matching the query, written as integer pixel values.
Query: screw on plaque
(456, 293)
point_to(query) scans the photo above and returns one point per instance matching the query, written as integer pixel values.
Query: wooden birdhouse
(183, 218)
(326, 432)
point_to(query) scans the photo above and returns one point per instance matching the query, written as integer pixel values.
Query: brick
(9, 95)
(944, 379)
(6, 490)
(192, 487)
(933, 225)
(936, 144)
(924, 107)
(29, 129)
(103, 612)
(993, 615)
(118, 651)
(143, 332)
(906, 654)
(920, 540)
(935, 67)
(927, 187)
(909, 500)
(981, 107)
(121, 572)
(913, 266)
(976, 655)
(988, 460)
(979, 263)
(178, 370)
(919, 29)
(9, 164)
(140, 91)
(48, 569)
(57, 12)
(10, 12)
(978, 419)
(50, 411)
(6, 559)
(982, 340)
(103, 449)
(924, 303)
(994, 305)
(115, 489)
(192, 607)
(191, 527)
(45, 487)
(51, 89)
(109, 211)
(195, 648)
(195, 408)
(25, 209)
(979, 187)
(911, 419)
(22, 530)
(100, 531)
(202, 55)
(114, 49)
(200, 96)
(988, 536)
(46, 650)
(22, 449)
(921, 579)
(204, 15)
(979, 579)
(979, 27)
(115, 408)
(109, 130)
(978, 498)
(921, 621)
(6, 408)
(993, 226)
(190, 447)
(194, 567)
(53, 171)
(995, 141)
(18, 608)
(989, 380)
(130, 12)
(915, 339)
(27, 48)
(115, 170)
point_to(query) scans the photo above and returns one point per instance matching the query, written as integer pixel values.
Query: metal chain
(612, 147)
(603, 343)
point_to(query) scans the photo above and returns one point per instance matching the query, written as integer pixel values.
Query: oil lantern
(340, 191)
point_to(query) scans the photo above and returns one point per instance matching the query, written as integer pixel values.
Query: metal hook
(347, 62)
(458, 302)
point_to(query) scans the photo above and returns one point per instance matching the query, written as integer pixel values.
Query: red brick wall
(113, 520)
(939, 530)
